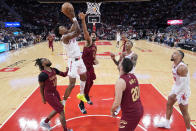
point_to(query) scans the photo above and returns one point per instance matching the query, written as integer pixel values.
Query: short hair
(181, 53)
(130, 42)
(93, 32)
(38, 62)
(127, 65)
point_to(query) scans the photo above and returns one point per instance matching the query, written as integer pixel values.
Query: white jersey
(72, 49)
(118, 36)
(130, 56)
(177, 77)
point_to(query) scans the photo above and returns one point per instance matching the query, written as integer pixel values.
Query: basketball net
(93, 8)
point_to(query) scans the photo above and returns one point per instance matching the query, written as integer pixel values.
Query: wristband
(74, 19)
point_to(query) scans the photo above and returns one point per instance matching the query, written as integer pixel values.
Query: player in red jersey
(89, 58)
(127, 95)
(48, 82)
(50, 39)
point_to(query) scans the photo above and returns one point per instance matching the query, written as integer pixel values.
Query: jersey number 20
(135, 93)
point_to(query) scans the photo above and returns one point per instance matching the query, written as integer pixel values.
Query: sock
(188, 129)
(82, 86)
(47, 120)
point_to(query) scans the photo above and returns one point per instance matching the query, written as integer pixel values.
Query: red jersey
(131, 105)
(88, 56)
(51, 38)
(50, 79)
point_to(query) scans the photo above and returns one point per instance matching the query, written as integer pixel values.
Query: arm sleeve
(63, 74)
(42, 77)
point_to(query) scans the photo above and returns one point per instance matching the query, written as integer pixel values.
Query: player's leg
(72, 73)
(81, 95)
(63, 122)
(184, 110)
(171, 101)
(88, 86)
(72, 82)
(81, 68)
(52, 47)
(54, 102)
(45, 123)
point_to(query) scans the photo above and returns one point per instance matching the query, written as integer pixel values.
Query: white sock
(82, 86)
(188, 129)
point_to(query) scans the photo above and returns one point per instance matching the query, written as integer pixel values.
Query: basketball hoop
(93, 8)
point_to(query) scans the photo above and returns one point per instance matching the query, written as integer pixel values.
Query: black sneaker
(90, 102)
(82, 109)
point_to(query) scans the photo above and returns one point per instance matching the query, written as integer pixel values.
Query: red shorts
(130, 122)
(50, 44)
(53, 99)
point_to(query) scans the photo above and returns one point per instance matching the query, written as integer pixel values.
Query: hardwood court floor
(153, 67)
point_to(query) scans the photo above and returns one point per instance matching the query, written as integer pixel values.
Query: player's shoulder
(182, 70)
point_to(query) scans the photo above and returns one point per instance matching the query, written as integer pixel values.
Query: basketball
(67, 9)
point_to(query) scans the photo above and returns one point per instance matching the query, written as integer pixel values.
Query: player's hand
(82, 16)
(112, 55)
(113, 114)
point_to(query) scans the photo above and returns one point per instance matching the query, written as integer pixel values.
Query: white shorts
(76, 67)
(182, 97)
(118, 39)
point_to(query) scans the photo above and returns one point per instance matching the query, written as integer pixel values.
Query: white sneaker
(69, 129)
(45, 125)
(163, 124)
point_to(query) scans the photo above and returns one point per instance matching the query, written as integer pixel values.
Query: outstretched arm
(84, 28)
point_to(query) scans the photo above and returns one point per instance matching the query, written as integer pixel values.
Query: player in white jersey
(180, 91)
(75, 63)
(118, 38)
(127, 54)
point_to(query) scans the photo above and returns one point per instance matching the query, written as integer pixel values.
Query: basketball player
(50, 39)
(75, 62)
(127, 95)
(128, 54)
(48, 82)
(89, 57)
(118, 38)
(180, 91)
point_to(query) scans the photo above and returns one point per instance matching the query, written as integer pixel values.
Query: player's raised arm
(68, 10)
(84, 28)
